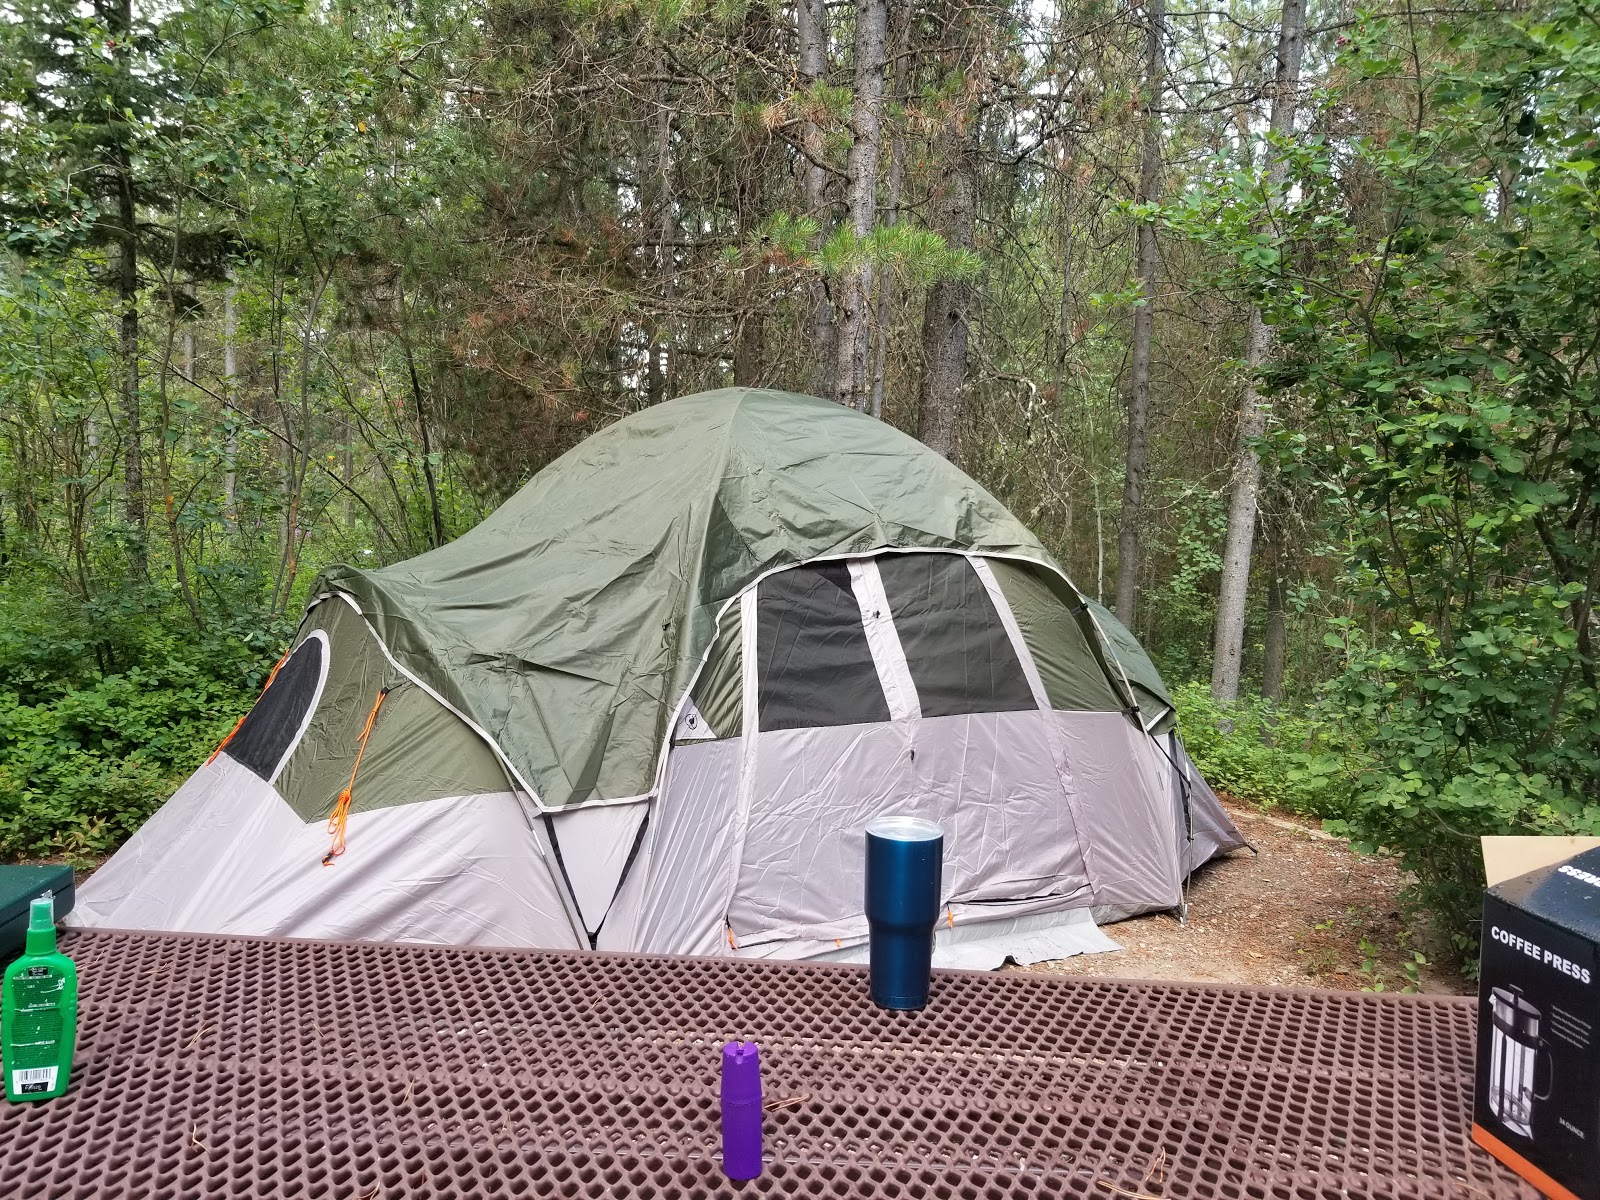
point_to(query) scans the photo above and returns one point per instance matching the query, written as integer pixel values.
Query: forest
(1278, 323)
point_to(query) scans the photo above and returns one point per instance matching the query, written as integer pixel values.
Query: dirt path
(1304, 912)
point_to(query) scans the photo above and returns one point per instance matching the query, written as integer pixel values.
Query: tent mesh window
(815, 665)
(271, 727)
(960, 657)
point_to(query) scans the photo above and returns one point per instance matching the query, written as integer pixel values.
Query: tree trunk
(749, 349)
(944, 319)
(230, 394)
(901, 20)
(659, 371)
(750, 334)
(419, 402)
(187, 339)
(1275, 643)
(347, 473)
(1063, 346)
(861, 200)
(128, 350)
(880, 358)
(944, 324)
(1091, 457)
(751, 193)
(119, 22)
(297, 455)
(811, 26)
(1234, 590)
(1234, 587)
(1143, 320)
(166, 438)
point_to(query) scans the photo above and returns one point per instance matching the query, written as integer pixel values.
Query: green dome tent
(651, 701)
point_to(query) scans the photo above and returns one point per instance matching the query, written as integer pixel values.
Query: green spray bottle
(38, 1012)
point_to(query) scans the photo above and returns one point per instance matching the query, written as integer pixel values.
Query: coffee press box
(1536, 1105)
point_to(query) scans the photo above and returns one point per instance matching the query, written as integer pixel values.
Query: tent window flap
(274, 725)
(815, 665)
(960, 657)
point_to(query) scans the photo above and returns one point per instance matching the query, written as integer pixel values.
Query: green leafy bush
(86, 752)
(1257, 751)
(1481, 735)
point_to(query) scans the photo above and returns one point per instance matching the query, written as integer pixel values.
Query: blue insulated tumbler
(904, 856)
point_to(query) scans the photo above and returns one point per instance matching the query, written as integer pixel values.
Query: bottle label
(38, 986)
(33, 1079)
(33, 1043)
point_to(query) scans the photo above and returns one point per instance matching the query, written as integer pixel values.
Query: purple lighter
(741, 1110)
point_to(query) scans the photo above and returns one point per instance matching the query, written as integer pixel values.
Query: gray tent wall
(1207, 831)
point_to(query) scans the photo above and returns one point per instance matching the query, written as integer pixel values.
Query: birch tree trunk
(1143, 320)
(230, 394)
(944, 318)
(1234, 589)
(861, 201)
(119, 22)
(811, 27)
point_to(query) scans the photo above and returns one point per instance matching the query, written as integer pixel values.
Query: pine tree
(96, 111)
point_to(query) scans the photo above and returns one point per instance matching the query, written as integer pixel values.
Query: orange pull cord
(341, 806)
(951, 913)
(224, 742)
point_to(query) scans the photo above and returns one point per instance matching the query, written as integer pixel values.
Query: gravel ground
(1303, 912)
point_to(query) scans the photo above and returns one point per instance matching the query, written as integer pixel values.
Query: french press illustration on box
(1514, 1050)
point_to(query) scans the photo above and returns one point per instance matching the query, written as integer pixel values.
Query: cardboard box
(1536, 1105)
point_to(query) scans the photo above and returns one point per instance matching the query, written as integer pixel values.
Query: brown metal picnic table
(213, 1066)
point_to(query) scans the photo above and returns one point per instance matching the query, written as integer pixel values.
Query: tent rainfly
(651, 702)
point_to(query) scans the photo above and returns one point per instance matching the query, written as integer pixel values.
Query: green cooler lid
(19, 886)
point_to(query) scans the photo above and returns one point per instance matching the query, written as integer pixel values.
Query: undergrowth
(1264, 753)
(104, 711)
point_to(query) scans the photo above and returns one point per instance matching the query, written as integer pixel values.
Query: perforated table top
(212, 1066)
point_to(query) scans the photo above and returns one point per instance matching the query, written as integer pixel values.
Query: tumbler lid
(904, 829)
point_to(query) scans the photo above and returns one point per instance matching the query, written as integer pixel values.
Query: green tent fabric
(567, 625)
(418, 752)
(717, 694)
(1154, 700)
(1068, 667)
